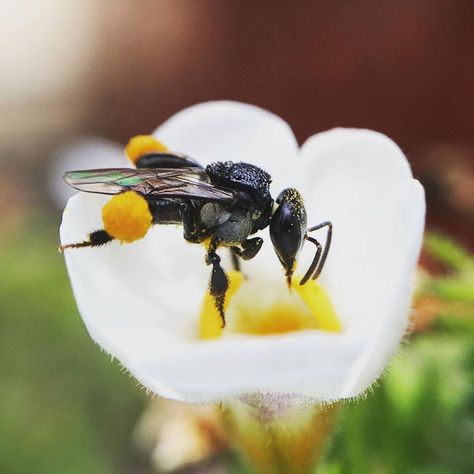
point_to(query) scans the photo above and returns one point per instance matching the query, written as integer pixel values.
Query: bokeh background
(77, 68)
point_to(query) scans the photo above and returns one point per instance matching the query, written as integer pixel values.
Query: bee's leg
(327, 245)
(96, 239)
(234, 254)
(192, 232)
(189, 224)
(219, 282)
(250, 248)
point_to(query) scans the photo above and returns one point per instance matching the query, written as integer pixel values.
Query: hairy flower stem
(276, 436)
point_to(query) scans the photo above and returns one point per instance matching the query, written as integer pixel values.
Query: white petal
(134, 297)
(346, 170)
(319, 365)
(86, 153)
(376, 287)
(307, 363)
(225, 130)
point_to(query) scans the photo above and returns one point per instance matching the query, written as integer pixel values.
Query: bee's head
(288, 229)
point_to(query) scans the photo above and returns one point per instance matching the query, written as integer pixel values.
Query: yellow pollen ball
(143, 144)
(126, 217)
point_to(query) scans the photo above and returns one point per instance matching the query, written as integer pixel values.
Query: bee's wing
(192, 183)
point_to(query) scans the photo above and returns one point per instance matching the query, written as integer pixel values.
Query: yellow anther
(143, 144)
(126, 217)
(309, 308)
(319, 304)
(210, 324)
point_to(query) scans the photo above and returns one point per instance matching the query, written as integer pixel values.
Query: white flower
(141, 302)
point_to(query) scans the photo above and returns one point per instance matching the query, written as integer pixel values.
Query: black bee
(221, 205)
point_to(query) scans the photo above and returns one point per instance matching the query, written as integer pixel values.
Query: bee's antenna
(315, 261)
(318, 261)
(327, 245)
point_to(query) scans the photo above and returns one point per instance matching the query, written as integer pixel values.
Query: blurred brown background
(75, 68)
(116, 69)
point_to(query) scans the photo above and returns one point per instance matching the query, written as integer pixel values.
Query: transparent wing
(192, 183)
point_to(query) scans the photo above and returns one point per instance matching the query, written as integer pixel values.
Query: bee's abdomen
(165, 211)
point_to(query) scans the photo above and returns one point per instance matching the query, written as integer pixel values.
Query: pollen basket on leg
(126, 217)
(143, 144)
(210, 323)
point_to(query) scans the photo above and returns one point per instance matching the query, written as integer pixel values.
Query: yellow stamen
(143, 144)
(309, 307)
(319, 304)
(210, 322)
(126, 216)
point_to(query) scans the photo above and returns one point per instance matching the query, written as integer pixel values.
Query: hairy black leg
(219, 282)
(251, 247)
(96, 239)
(327, 245)
(192, 232)
(234, 254)
(189, 224)
(315, 261)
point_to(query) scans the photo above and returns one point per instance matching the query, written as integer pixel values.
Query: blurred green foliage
(420, 417)
(458, 284)
(66, 409)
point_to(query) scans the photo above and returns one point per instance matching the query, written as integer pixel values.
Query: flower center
(251, 310)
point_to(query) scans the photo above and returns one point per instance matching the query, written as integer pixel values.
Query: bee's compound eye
(280, 197)
(288, 227)
(285, 236)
